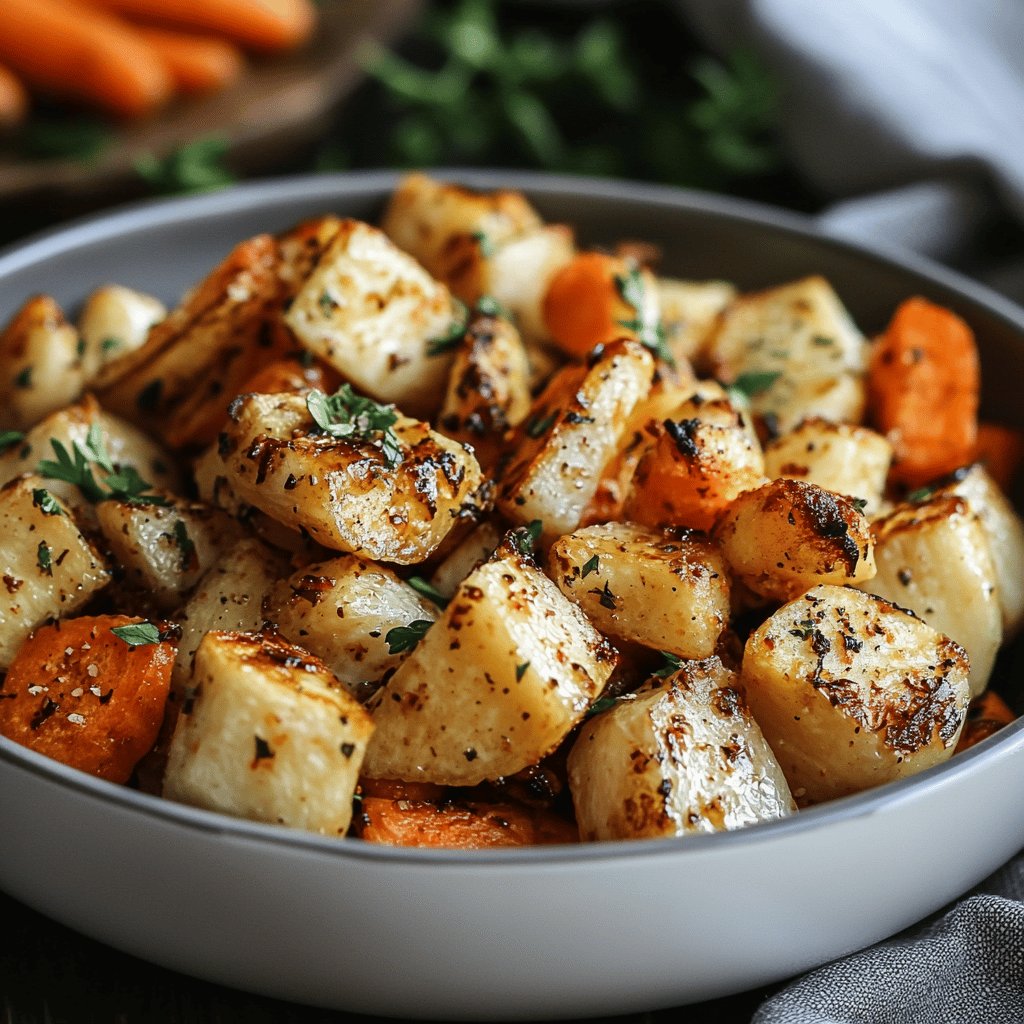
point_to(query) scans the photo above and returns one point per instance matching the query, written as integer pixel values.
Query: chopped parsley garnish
(348, 415)
(137, 634)
(488, 305)
(860, 504)
(24, 379)
(592, 564)
(484, 244)
(538, 426)
(185, 544)
(44, 559)
(121, 483)
(805, 631)
(405, 638)
(326, 303)
(521, 670)
(605, 597)
(419, 584)
(80, 347)
(196, 166)
(109, 344)
(455, 333)
(747, 385)
(601, 704)
(671, 664)
(524, 538)
(46, 502)
(922, 494)
(822, 340)
(9, 438)
(650, 334)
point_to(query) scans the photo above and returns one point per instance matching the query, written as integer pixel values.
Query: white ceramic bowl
(534, 933)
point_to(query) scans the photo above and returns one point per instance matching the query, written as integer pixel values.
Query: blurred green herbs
(482, 82)
(195, 167)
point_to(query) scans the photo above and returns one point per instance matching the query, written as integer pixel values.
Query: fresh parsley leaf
(455, 333)
(24, 379)
(72, 138)
(860, 504)
(137, 634)
(538, 426)
(44, 559)
(822, 340)
(921, 495)
(326, 303)
(185, 544)
(605, 597)
(806, 629)
(484, 244)
(671, 664)
(45, 502)
(592, 564)
(601, 704)
(109, 344)
(650, 334)
(419, 584)
(9, 438)
(194, 167)
(521, 670)
(348, 415)
(754, 383)
(405, 638)
(524, 538)
(488, 305)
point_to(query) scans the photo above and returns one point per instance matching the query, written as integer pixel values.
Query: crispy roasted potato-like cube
(466, 557)
(702, 457)
(375, 315)
(342, 611)
(787, 536)
(114, 322)
(689, 310)
(571, 435)
(268, 734)
(165, 549)
(228, 598)
(428, 219)
(42, 367)
(796, 350)
(682, 755)
(851, 691)
(87, 697)
(935, 559)
(49, 568)
(667, 590)
(488, 390)
(840, 457)
(196, 360)
(342, 491)
(126, 445)
(1005, 534)
(494, 686)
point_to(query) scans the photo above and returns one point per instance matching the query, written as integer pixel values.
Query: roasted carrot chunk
(923, 387)
(1000, 449)
(986, 715)
(88, 696)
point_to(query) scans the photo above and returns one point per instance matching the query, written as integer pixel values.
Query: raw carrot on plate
(76, 52)
(196, 63)
(265, 25)
(924, 382)
(90, 692)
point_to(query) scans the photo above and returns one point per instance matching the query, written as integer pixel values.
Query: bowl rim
(154, 213)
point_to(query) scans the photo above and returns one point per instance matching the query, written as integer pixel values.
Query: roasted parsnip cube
(126, 445)
(689, 310)
(1005, 534)
(267, 734)
(796, 349)
(488, 390)
(229, 597)
(851, 691)
(935, 559)
(493, 686)
(49, 568)
(666, 590)
(427, 218)
(787, 536)
(342, 611)
(571, 435)
(165, 549)
(680, 756)
(466, 557)
(42, 368)
(840, 457)
(196, 360)
(701, 459)
(375, 315)
(348, 493)
(114, 322)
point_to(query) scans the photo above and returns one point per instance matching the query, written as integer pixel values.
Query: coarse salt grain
(77, 692)
(76, 719)
(33, 690)
(92, 670)
(69, 651)
(95, 691)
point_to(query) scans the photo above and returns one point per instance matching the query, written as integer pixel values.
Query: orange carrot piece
(13, 98)
(196, 63)
(1001, 450)
(265, 25)
(74, 52)
(81, 694)
(469, 826)
(583, 305)
(923, 387)
(986, 715)
(395, 789)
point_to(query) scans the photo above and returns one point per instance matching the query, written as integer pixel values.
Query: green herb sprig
(348, 415)
(404, 638)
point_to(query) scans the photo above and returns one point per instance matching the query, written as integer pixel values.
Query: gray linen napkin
(909, 114)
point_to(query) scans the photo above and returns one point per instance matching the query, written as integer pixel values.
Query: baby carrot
(196, 63)
(923, 387)
(257, 24)
(76, 52)
(13, 98)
